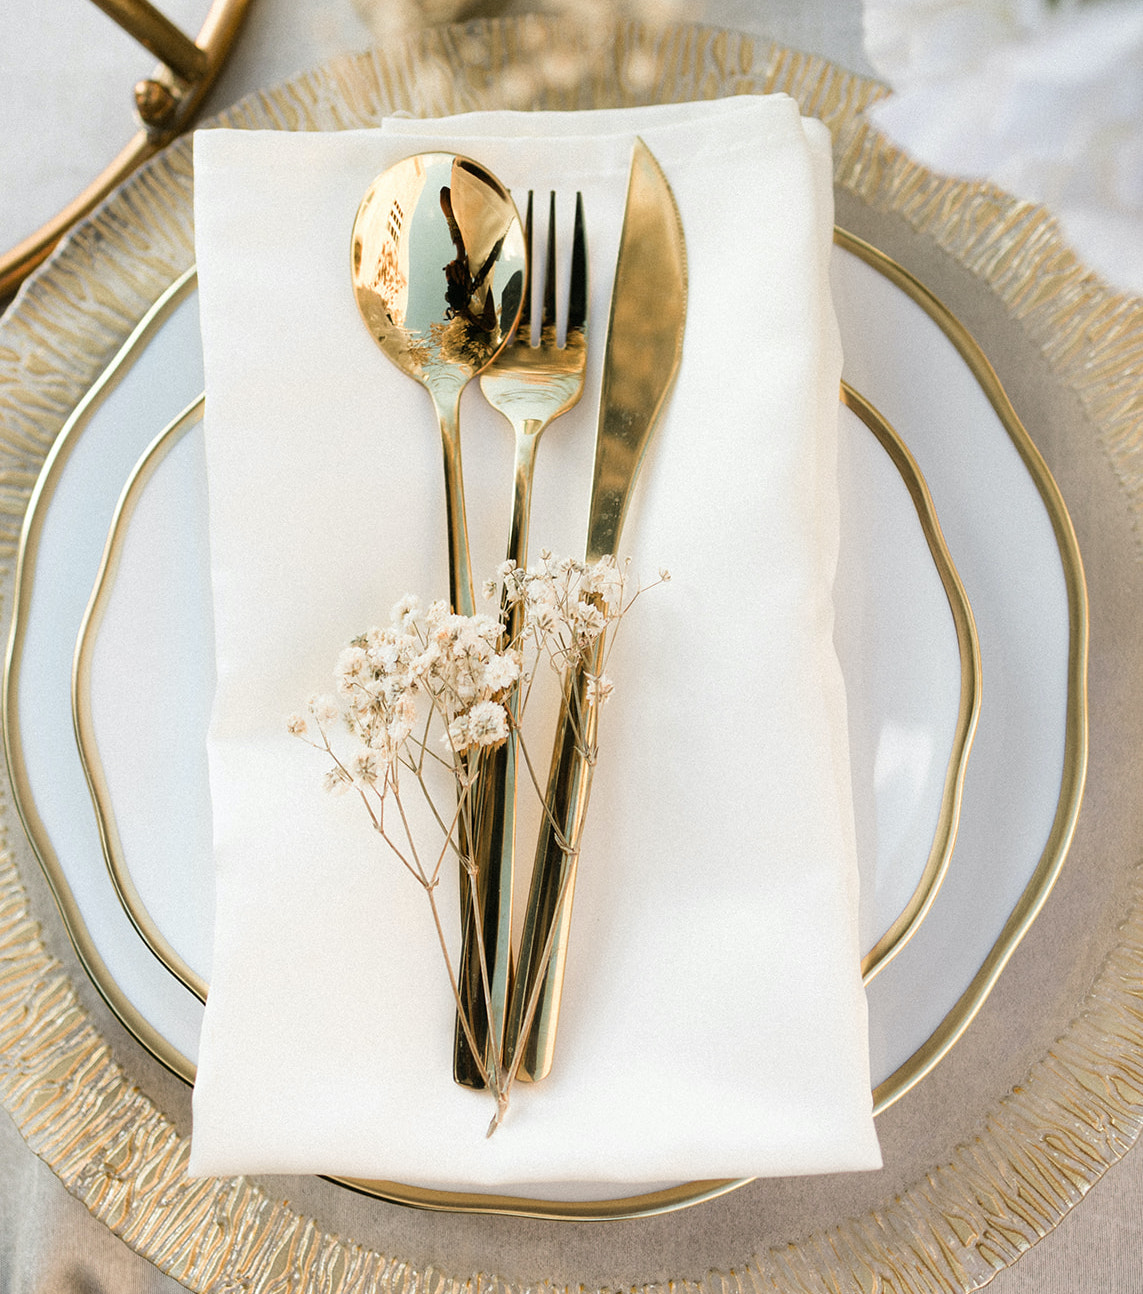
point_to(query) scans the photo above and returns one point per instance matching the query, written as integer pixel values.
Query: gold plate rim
(886, 947)
(902, 929)
(1074, 773)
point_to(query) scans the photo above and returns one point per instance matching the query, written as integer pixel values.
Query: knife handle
(538, 985)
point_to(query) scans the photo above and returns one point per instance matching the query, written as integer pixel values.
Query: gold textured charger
(976, 1171)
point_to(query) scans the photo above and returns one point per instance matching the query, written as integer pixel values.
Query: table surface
(48, 1241)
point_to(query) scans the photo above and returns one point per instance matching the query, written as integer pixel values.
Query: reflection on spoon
(439, 267)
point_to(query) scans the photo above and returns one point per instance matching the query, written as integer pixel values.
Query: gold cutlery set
(434, 212)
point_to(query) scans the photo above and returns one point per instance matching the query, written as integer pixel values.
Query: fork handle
(527, 438)
(495, 816)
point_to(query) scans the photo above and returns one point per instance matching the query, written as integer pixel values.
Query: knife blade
(643, 350)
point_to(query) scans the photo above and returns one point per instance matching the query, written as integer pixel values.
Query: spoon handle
(472, 829)
(447, 405)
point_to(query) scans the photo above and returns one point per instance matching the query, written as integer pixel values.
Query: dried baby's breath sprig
(436, 689)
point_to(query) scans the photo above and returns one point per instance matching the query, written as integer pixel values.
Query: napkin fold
(714, 1020)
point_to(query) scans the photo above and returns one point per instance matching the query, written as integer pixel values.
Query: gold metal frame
(165, 103)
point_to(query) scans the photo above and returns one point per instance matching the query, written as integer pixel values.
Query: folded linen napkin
(713, 1021)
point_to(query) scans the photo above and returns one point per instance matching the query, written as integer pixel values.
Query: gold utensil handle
(641, 358)
(475, 843)
(493, 847)
(447, 405)
(538, 986)
(531, 384)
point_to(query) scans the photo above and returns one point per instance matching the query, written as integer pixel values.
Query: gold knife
(644, 345)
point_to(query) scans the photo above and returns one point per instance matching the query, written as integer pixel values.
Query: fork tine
(577, 294)
(524, 326)
(549, 318)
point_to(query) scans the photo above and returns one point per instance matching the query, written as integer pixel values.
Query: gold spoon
(439, 267)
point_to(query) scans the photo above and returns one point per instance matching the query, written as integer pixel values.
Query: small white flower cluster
(565, 604)
(461, 667)
(452, 661)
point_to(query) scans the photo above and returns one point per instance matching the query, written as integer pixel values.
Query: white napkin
(714, 1021)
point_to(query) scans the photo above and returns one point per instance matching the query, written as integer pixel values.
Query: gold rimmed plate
(146, 996)
(921, 632)
(140, 654)
(152, 642)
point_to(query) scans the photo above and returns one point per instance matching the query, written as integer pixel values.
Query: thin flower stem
(415, 872)
(486, 985)
(424, 743)
(460, 820)
(420, 868)
(540, 792)
(527, 694)
(431, 802)
(427, 879)
(570, 712)
(369, 809)
(437, 759)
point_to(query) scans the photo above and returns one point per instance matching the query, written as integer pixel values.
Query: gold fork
(530, 385)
